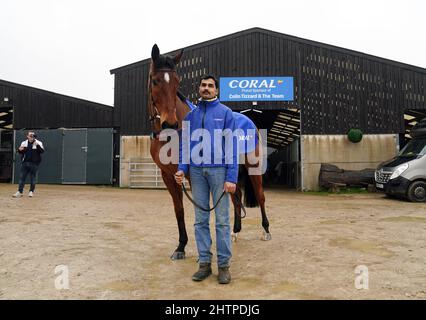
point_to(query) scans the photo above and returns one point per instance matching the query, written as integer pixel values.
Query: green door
(74, 156)
(99, 155)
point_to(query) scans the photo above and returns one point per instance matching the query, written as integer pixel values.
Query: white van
(405, 175)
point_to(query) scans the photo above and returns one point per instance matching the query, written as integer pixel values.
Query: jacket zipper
(204, 116)
(202, 123)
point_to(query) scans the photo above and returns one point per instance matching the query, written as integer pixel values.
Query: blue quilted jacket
(211, 116)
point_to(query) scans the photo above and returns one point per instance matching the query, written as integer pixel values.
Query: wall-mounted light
(6, 99)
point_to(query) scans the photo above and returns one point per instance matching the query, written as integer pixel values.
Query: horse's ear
(155, 53)
(177, 57)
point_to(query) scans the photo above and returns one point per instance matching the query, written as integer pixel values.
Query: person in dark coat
(30, 150)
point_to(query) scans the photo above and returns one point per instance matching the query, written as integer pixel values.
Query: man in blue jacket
(213, 168)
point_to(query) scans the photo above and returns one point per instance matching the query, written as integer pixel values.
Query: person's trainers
(17, 195)
(203, 272)
(224, 276)
(31, 194)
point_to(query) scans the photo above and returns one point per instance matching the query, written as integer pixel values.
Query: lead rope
(220, 198)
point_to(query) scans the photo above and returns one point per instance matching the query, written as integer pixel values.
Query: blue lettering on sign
(257, 89)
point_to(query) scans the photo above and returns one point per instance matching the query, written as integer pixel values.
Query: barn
(326, 91)
(330, 90)
(78, 135)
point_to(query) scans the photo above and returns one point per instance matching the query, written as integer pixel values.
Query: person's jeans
(203, 182)
(27, 168)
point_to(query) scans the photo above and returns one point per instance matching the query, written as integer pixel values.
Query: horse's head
(164, 84)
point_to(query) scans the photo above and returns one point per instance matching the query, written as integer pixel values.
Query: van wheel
(417, 191)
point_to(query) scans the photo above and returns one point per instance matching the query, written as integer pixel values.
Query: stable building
(306, 94)
(78, 135)
(332, 90)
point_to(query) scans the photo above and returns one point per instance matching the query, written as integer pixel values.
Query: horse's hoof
(178, 255)
(234, 236)
(266, 236)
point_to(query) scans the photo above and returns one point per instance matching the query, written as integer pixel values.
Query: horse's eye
(154, 82)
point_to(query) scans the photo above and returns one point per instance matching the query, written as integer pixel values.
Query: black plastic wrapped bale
(332, 176)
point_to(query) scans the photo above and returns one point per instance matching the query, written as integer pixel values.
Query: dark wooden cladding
(335, 88)
(37, 109)
(130, 100)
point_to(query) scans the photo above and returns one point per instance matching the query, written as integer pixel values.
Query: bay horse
(167, 108)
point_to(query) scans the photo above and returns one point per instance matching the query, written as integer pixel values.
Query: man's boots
(203, 272)
(224, 276)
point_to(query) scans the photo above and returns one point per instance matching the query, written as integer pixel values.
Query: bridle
(153, 110)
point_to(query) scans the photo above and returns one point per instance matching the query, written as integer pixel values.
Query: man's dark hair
(34, 134)
(209, 76)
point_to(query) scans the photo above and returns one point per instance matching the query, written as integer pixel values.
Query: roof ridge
(290, 37)
(52, 93)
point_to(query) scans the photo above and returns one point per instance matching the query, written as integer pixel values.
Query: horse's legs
(256, 181)
(176, 193)
(237, 213)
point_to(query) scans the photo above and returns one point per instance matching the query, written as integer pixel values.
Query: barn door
(6, 155)
(74, 156)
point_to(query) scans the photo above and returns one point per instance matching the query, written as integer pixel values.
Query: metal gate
(74, 159)
(145, 173)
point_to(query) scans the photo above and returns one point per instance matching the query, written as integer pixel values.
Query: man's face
(207, 89)
(30, 136)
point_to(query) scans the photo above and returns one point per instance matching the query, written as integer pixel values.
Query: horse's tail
(250, 200)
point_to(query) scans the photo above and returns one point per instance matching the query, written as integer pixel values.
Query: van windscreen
(415, 147)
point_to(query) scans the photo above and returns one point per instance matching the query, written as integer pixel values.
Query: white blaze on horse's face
(167, 77)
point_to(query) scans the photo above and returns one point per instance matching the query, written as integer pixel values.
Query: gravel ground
(116, 244)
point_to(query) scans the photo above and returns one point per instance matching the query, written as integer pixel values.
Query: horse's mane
(181, 96)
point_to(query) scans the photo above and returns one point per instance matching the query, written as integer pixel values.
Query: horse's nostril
(166, 125)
